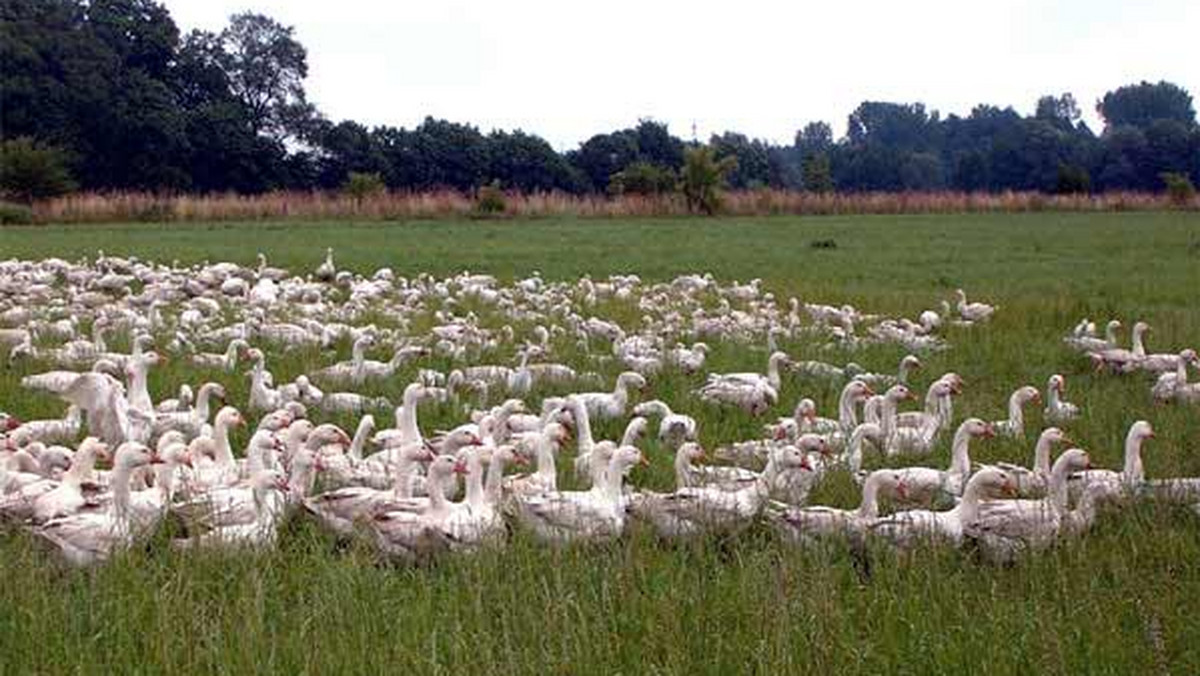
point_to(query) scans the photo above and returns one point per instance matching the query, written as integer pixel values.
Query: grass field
(1121, 600)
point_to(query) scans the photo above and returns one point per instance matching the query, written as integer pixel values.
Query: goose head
(977, 428)
(1053, 435)
(813, 443)
(1057, 383)
(228, 417)
(1027, 393)
(992, 482)
(1140, 431)
(911, 362)
(1073, 460)
(806, 409)
(792, 457)
(132, 454)
(898, 393)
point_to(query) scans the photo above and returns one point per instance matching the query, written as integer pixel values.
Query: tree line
(110, 95)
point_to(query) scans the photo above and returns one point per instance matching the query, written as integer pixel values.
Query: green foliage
(1140, 105)
(361, 185)
(1179, 187)
(703, 178)
(15, 214)
(643, 178)
(31, 171)
(490, 200)
(1073, 179)
(818, 176)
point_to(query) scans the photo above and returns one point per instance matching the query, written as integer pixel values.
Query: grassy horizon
(1120, 600)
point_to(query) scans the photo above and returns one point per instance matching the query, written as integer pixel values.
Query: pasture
(1122, 599)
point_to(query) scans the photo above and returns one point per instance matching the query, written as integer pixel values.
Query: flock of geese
(399, 487)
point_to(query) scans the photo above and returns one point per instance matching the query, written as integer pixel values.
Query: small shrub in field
(823, 244)
(642, 178)
(491, 200)
(703, 178)
(15, 214)
(1179, 187)
(361, 185)
(30, 171)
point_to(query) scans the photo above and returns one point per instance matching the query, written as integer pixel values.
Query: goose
(853, 456)
(689, 360)
(266, 272)
(690, 511)
(261, 531)
(906, 529)
(1014, 426)
(925, 484)
(43, 502)
(1085, 342)
(908, 364)
(544, 478)
(1131, 476)
(411, 535)
(1157, 364)
(1167, 385)
(597, 514)
(192, 422)
(939, 403)
(804, 525)
(348, 371)
(479, 521)
(341, 510)
(688, 475)
(137, 371)
(226, 361)
(222, 468)
(263, 397)
(915, 440)
(775, 362)
(1058, 410)
(326, 271)
(352, 402)
(973, 312)
(88, 538)
(371, 369)
(180, 404)
(1032, 482)
(1006, 528)
(609, 405)
(55, 430)
(1121, 360)
(102, 399)
(57, 382)
(673, 428)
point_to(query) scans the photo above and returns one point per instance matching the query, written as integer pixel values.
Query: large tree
(266, 67)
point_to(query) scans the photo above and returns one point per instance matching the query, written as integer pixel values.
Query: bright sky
(567, 70)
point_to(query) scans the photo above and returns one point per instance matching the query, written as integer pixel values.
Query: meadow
(1120, 600)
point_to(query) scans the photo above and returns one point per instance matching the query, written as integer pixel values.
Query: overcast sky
(566, 70)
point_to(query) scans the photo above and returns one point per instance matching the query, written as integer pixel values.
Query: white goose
(1005, 528)
(88, 538)
(343, 509)
(925, 484)
(1032, 482)
(44, 501)
(804, 525)
(1132, 475)
(260, 532)
(609, 405)
(1014, 426)
(973, 312)
(1167, 385)
(691, 511)
(673, 428)
(225, 361)
(191, 422)
(409, 535)
(597, 514)
(906, 529)
(1058, 410)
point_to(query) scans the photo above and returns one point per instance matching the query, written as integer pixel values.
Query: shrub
(15, 214)
(31, 171)
(703, 178)
(361, 185)
(490, 200)
(643, 178)
(1179, 187)
(1072, 180)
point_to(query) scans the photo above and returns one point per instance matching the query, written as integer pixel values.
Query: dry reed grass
(318, 206)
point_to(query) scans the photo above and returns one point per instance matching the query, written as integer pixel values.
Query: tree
(1061, 109)
(703, 177)
(753, 168)
(1141, 104)
(818, 175)
(30, 171)
(643, 178)
(266, 66)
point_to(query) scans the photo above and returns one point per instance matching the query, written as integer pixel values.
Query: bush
(1072, 180)
(643, 178)
(361, 185)
(30, 171)
(703, 178)
(490, 200)
(1179, 187)
(15, 214)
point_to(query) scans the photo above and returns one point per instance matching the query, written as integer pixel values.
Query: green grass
(1122, 600)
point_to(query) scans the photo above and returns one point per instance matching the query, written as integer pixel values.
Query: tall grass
(448, 204)
(1121, 600)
